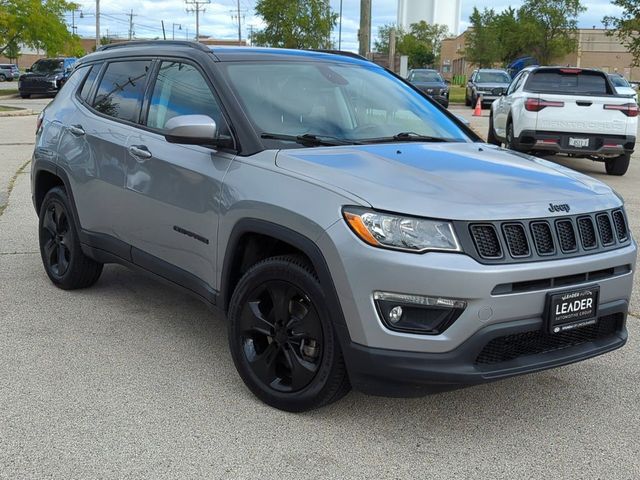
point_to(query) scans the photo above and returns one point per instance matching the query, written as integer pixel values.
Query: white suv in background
(566, 110)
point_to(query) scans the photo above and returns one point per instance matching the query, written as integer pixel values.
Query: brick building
(596, 49)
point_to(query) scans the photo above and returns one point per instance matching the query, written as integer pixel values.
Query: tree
(482, 46)
(421, 44)
(12, 52)
(295, 23)
(627, 27)
(550, 27)
(35, 23)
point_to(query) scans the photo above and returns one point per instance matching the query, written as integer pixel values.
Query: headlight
(398, 232)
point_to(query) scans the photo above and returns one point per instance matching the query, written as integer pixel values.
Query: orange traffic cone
(477, 112)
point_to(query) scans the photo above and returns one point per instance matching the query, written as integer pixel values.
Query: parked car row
(46, 76)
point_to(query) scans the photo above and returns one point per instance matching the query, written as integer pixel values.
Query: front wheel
(2, 77)
(282, 337)
(618, 166)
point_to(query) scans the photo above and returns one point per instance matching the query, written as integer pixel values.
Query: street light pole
(173, 28)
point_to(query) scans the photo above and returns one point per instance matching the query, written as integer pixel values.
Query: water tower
(443, 12)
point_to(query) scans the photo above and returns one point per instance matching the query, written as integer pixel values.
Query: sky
(220, 17)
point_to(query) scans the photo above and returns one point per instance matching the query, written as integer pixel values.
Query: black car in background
(430, 82)
(46, 76)
(488, 84)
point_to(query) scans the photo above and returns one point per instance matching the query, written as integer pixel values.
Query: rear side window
(88, 83)
(121, 90)
(180, 89)
(571, 81)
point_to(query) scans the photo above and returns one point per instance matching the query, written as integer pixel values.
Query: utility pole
(392, 50)
(340, 29)
(173, 30)
(131, 32)
(197, 8)
(364, 34)
(97, 24)
(239, 25)
(251, 27)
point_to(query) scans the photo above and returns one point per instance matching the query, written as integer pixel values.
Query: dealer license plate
(578, 142)
(574, 309)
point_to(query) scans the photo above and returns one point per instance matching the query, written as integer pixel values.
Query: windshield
(618, 81)
(343, 101)
(47, 66)
(426, 77)
(493, 77)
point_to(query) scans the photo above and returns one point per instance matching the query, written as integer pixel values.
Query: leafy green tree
(627, 27)
(12, 52)
(550, 27)
(295, 23)
(35, 23)
(481, 46)
(421, 44)
(506, 28)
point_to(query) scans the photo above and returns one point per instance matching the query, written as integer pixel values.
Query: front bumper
(407, 374)
(380, 360)
(558, 142)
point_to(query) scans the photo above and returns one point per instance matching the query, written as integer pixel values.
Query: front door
(173, 191)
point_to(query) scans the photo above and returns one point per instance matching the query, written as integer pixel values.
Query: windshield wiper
(309, 139)
(405, 137)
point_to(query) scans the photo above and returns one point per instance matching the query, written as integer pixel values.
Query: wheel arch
(47, 175)
(275, 239)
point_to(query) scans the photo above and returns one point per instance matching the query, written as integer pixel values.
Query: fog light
(395, 314)
(417, 313)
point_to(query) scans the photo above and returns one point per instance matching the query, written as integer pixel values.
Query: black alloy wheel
(282, 336)
(57, 239)
(64, 261)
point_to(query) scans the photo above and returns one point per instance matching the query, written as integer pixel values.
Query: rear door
(573, 101)
(173, 191)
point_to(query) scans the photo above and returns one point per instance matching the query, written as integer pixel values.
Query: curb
(18, 113)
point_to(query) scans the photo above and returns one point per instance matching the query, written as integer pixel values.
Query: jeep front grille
(538, 239)
(486, 240)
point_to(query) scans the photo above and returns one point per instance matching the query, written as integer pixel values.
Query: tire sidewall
(281, 269)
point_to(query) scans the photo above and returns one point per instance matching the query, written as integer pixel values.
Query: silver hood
(457, 181)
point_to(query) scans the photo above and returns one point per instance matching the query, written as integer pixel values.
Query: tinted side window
(88, 83)
(121, 89)
(181, 89)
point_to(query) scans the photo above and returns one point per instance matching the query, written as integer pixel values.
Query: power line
(197, 8)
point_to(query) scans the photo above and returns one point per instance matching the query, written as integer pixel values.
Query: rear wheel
(65, 263)
(510, 137)
(619, 165)
(491, 136)
(282, 338)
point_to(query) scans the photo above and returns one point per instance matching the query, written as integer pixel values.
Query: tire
(3, 78)
(491, 136)
(286, 352)
(618, 166)
(474, 100)
(467, 102)
(510, 137)
(65, 263)
(25, 95)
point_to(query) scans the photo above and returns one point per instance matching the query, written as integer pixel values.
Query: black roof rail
(145, 43)
(344, 53)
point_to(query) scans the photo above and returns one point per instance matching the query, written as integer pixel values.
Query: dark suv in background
(430, 82)
(8, 71)
(488, 84)
(46, 76)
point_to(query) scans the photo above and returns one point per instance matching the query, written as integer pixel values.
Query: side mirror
(191, 130)
(28, 70)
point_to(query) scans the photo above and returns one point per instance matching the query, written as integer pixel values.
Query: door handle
(76, 130)
(140, 152)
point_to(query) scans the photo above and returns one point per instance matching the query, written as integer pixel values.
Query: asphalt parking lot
(132, 379)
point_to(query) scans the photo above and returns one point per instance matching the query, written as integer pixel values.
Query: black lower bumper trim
(406, 374)
(558, 142)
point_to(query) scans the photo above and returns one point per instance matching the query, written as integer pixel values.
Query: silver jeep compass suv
(355, 233)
